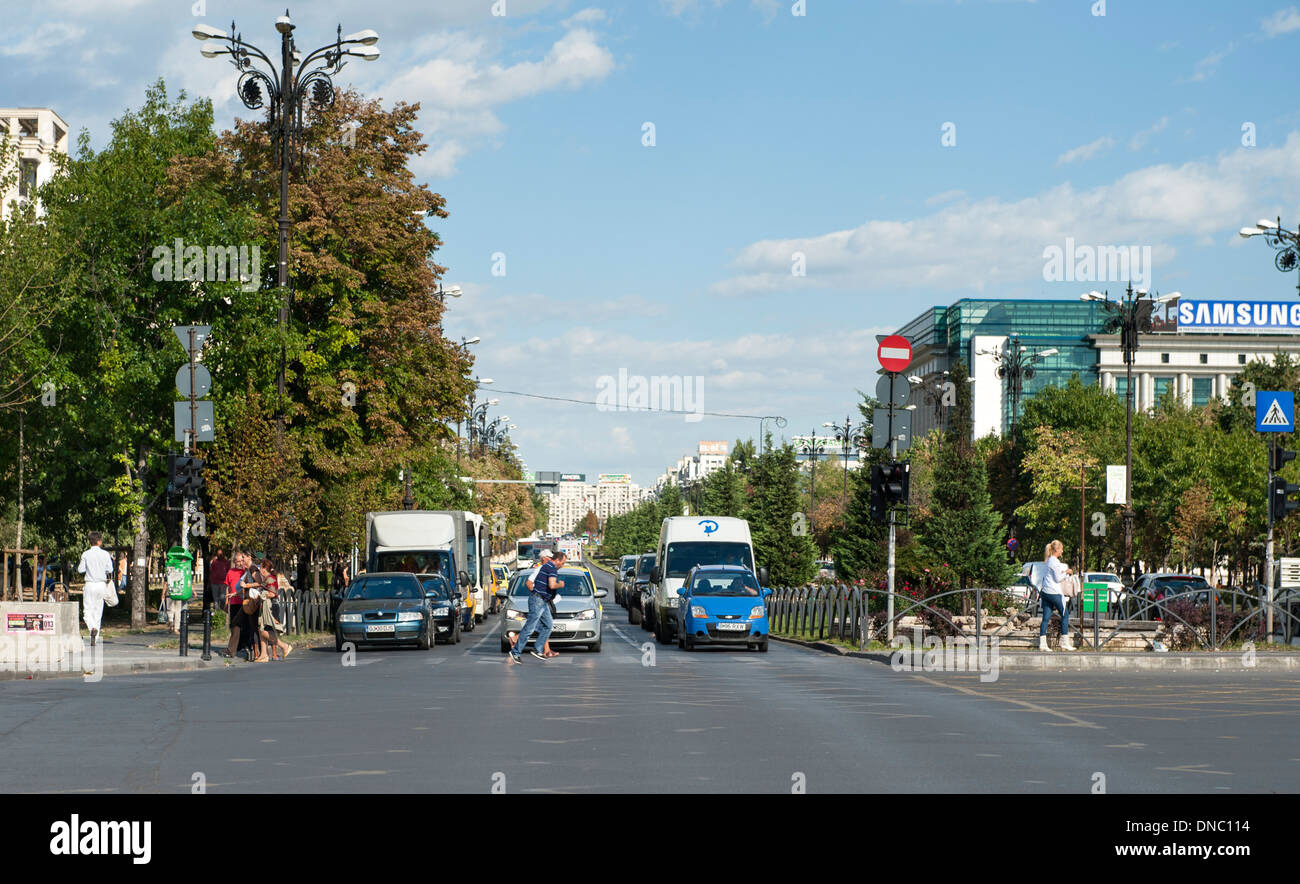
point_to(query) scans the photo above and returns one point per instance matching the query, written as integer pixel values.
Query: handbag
(1070, 586)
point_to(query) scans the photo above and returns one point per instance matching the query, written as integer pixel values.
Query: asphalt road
(462, 719)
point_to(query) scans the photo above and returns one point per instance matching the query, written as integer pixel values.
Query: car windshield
(436, 561)
(645, 565)
(1181, 584)
(724, 583)
(437, 587)
(682, 557)
(576, 583)
(374, 588)
(1102, 578)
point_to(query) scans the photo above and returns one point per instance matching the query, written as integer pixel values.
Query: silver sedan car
(577, 620)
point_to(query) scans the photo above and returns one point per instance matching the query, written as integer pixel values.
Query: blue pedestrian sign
(1274, 412)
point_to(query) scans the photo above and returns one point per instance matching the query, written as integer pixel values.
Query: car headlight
(757, 612)
(589, 614)
(514, 615)
(408, 616)
(697, 611)
(349, 618)
(441, 612)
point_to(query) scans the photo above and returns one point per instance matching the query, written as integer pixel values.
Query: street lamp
(779, 421)
(1285, 242)
(849, 436)
(935, 392)
(1016, 365)
(453, 292)
(1129, 317)
(814, 450)
(297, 81)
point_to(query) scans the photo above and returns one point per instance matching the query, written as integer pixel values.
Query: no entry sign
(895, 353)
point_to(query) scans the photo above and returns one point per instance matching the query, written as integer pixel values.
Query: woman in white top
(1052, 597)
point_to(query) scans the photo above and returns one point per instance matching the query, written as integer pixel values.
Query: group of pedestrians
(255, 599)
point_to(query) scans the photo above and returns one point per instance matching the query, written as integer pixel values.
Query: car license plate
(733, 626)
(381, 627)
(559, 626)
(443, 628)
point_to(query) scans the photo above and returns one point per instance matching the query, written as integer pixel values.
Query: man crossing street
(545, 586)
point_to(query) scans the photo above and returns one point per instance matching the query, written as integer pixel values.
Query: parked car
(577, 619)
(1117, 593)
(1166, 586)
(722, 604)
(385, 608)
(447, 605)
(639, 591)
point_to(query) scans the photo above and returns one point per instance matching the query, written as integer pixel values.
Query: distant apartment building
(613, 494)
(709, 457)
(35, 135)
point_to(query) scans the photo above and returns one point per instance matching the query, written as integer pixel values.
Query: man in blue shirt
(545, 586)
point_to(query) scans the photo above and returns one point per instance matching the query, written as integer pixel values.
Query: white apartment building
(710, 456)
(36, 134)
(613, 495)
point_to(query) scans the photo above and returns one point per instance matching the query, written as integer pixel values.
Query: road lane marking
(1076, 722)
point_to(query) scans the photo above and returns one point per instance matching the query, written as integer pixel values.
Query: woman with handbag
(1053, 597)
(276, 588)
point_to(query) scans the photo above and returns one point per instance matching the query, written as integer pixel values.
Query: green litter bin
(180, 574)
(1094, 593)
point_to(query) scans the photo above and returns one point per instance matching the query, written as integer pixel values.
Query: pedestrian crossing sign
(1274, 412)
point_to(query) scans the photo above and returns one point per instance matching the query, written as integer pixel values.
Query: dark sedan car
(639, 589)
(385, 608)
(446, 604)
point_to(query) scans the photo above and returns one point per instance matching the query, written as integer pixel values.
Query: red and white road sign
(895, 353)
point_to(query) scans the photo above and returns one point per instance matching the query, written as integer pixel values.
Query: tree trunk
(140, 553)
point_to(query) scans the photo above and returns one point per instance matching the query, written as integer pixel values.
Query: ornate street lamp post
(296, 82)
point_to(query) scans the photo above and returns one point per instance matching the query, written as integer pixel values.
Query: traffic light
(1277, 458)
(1279, 498)
(184, 474)
(897, 479)
(879, 509)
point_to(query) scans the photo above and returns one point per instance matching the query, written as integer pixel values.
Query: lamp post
(1285, 242)
(936, 391)
(813, 449)
(1016, 365)
(297, 81)
(849, 437)
(762, 436)
(1129, 317)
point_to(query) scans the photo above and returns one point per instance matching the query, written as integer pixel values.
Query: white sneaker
(1042, 643)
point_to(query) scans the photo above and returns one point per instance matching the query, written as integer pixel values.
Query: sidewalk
(1264, 660)
(129, 653)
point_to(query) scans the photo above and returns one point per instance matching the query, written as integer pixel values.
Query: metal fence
(858, 614)
(309, 611)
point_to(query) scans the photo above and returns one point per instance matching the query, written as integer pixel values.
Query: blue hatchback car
(722, 605)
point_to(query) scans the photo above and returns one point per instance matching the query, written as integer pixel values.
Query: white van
(687, 541)
(452, 542)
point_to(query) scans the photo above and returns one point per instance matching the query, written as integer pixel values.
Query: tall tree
(962, 534)
(777, 520)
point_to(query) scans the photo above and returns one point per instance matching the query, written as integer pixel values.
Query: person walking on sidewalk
(1052, 598)
(544, 588)
(97, 565)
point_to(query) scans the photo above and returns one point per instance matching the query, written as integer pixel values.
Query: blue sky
(774, 134)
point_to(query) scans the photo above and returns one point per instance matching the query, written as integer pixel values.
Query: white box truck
(452, 542)
(687, 541)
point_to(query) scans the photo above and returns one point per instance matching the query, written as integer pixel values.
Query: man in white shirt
(97, 565)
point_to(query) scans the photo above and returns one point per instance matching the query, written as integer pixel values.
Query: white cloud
(583, 16)
(947, 196)
(994, 242)
(1284, 21)
(43, 40)
(458, 91)
(1086, 151)
(1138, 141)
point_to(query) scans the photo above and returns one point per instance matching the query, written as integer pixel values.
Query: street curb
(148, 667)
(1078, 661)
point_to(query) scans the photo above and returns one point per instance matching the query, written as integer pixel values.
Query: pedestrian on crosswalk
(543, 590)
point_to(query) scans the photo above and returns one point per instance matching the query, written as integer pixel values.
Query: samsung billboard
(1236, 317)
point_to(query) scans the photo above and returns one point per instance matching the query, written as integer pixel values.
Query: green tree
(962, 536)
(777, 522)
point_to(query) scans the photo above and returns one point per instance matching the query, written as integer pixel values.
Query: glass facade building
(973, 329)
